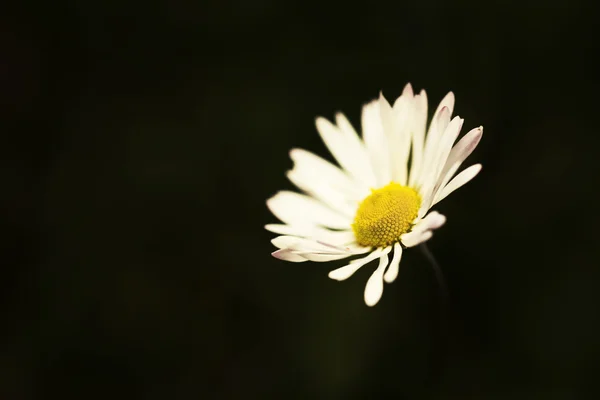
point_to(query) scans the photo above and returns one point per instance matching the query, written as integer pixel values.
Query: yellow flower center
(385, 214)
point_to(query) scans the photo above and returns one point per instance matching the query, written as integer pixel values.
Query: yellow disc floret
(385, 214)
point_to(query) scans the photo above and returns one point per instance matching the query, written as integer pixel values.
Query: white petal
(414, 238)
(358, 249)
(423, 210)
(321, 247)
(399, 135)
(445, 145)
(302, 245)
(313, 169)
(288, 255)
(432, 221)
(419, 124)
(348, 150)
(448, 102)
(347, 271)
(285, 242)
(442, 119)
(459, 153)
(318, 257)
(385, 112)
(374, 288)
(376, 142)
(338, 238)
(298, 209)
(391, 133)
(310, 161)
(362, 159)
(323, 191)
(438, 156)
(392, 271)
(438, 125)
(407, 91)
(333, 247)
(296, 248)
(460, 179)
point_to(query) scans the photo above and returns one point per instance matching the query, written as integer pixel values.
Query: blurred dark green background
(140, 140)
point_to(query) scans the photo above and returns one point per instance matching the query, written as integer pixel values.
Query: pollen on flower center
(385, 214)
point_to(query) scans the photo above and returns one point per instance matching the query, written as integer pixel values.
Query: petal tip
(336, 277)
(372, 299)
(273, 199)
(294, 151)
(287, 255)
(281, 254)
(277, 254)
(339, 115)
(444, 110)
(321, 122)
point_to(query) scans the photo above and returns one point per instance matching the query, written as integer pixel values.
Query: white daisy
(375, 203)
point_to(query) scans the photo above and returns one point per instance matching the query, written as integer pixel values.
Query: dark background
(140, 140)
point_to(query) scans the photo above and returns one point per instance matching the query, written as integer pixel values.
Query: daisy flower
(374, 204)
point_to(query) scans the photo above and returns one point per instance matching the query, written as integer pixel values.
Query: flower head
(374, 202)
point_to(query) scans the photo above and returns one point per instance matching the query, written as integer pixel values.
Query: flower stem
(440, 347)
(439, 276)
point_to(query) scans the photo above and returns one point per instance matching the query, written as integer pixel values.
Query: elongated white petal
(432, 221)
(284, 242)
(407, 91)
(349, 152)
(338, 238)
(358, 249)
(374, 288)
(419, 124)
(301, 245)
(385, 113)
(298, 249)
(333, 247)
(445, 145)
(414, 238)
(458, 155)
(322, 168)
(323, 191)
(316, 246)
(448, 102)
(362, 156)
(314, 173)
(439, 154)
(398, 131)
(392, 271)
(442, 119)
(318, 257)
(297, 209)
(459, 180)
(376, 142)
(288, 255)
(347, 271)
